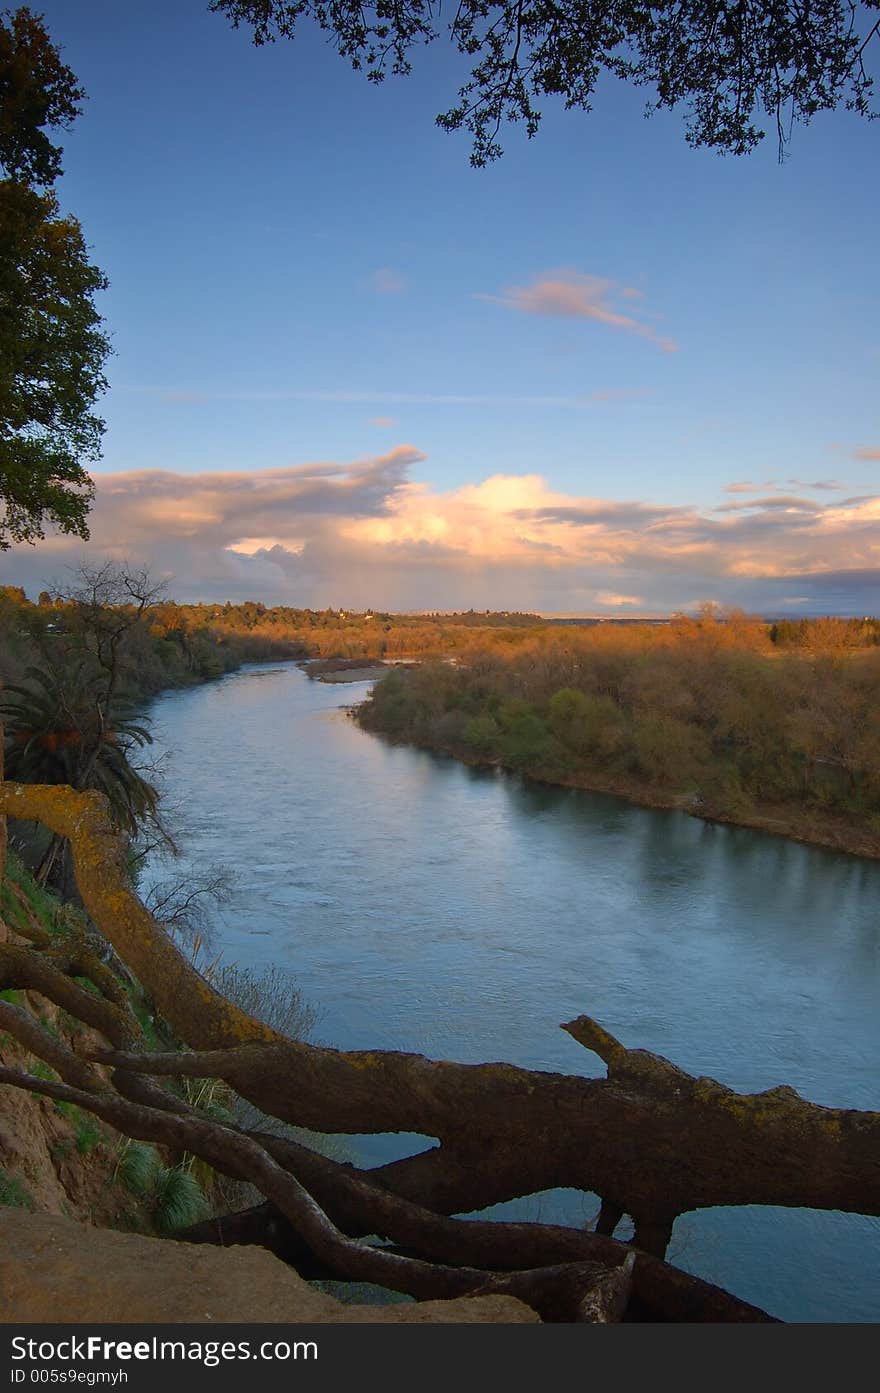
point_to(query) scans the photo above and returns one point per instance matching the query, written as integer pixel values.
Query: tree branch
(565, 1292)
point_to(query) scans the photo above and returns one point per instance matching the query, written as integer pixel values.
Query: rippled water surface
(426, 906)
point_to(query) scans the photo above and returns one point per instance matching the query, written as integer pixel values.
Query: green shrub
(527, 743)
(481, 734)
(137, 1167)
(178, 1199)
(41, 1070)
(13, 1194)
(588, 725)
(87, 1134)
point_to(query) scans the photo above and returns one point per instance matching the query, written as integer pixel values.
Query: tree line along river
(425, 906)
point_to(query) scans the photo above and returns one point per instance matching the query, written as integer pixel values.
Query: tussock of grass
(137, 1167)
(13, 1194)
(179, 1199)
(87, 1133)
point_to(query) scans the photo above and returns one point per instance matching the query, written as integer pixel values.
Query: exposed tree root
(565, 1292)
(650, 1140)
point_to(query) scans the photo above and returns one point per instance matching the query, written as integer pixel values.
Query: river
(426, 906)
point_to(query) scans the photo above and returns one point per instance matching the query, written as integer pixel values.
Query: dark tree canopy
(52, 347)
(728, 63)
(36, 90)
(52, 352)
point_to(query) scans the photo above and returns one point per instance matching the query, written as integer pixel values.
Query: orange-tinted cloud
(823, 485)
(570, 295)
(614, 601)
(328, 533)
(773, 500)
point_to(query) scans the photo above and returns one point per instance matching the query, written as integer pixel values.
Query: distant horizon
(599, 377)
(318, 534)
(574, 617)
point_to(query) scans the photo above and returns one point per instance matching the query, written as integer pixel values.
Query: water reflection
(462, 913)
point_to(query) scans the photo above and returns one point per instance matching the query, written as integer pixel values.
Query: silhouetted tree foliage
(729, 65)
(36, 90)
(52, 345)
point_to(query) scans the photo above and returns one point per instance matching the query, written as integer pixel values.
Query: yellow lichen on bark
(652, 1140)
(204, 1018)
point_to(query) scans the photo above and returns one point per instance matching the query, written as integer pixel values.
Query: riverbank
(488, 909)
(344, 669)
(727, 737)
(351, 669)
(834, 834)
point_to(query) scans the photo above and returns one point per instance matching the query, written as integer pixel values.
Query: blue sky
(315, 298)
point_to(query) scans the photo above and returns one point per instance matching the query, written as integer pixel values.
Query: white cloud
(614, 601)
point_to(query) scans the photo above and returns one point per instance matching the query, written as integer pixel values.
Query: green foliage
(174, 1195)
(392, 705)
(586, 724)
(59, 731)
(153, 1036)
(87, 985)
(668, 751)
(137, 1166)
(13, 1193)
(52, 355)
(526, 742)
(481, 734)
(41, 1070)
(178, 1199)
(39, 903)
(52, 345)
(87, 1133)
